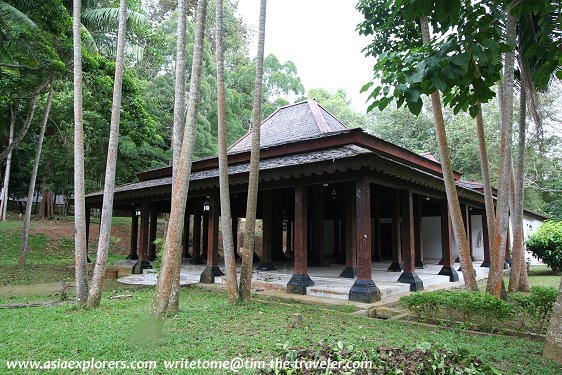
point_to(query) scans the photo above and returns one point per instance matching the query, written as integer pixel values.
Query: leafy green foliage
(546, 244)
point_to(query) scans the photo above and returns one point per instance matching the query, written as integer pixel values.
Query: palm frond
(13, 22)
(106, 19)
(89, 42)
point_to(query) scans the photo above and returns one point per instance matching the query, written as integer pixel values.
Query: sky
(319, 37)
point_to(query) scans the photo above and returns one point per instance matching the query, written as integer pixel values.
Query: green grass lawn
(541, 275)
(208, 327)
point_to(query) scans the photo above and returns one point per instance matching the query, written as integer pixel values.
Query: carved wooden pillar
(418, 221)
(267, 236)
(350, 270)
(409, 275)
(446, 244)
(300, 279)
(364, 288)
(196, 257)
(212, 270)
(485, 241)
(134, 236)
(152, 235)
(396, 265)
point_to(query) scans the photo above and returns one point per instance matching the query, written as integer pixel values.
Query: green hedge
(546, 244)
(525, 311)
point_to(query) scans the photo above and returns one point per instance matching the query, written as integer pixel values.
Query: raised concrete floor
(328, 284)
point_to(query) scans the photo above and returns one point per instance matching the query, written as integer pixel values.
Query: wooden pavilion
(328, 194)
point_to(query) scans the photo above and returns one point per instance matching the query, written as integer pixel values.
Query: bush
(537, 304)
(546, 244)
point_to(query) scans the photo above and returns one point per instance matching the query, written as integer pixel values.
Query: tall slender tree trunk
(226, 218)
(31, 191)
(13, 110)
(497, 253)
(80, 250)
(485, 168)
(252, 201)
(553, 340)
(179, 124)
(518, 275)
(98, 277)
(180, 186)
(27, 123)
(469, 275)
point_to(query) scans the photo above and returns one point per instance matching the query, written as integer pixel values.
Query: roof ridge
(318, 117)
(332, 116)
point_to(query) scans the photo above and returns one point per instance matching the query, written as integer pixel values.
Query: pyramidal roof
(291, 123)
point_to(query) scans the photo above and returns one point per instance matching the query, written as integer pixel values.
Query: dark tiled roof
(291, 123)
(470, 185)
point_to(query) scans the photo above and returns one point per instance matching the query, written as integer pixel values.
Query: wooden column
(467, 228)
(300, 279)
(267, 236)
(377, 255)
(409, 275)
(134, 236)
(485, 241)
(289, 239)
(152, 238)
(196, 257)
(186, 233)
(364, 288)
(396, 265)
(143, 246)
(418, 240)
(205, 237)
(350, 270)
(317, 249)
(212, 270)
(446, 244)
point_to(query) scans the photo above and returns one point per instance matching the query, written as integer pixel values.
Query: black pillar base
(349, 272)
(449, 271)
(419, 264)
(458, 260)
(208, 275)
(299, 283)
(364, 291)
(139, 266)
(472, 258)
(132, 257)
(196, 261)
(266, 266)
(395, 267)
(486, 264)
(413, 279)
(440, 262)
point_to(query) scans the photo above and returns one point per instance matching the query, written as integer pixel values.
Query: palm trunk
(469, 275)
(98, 277)
(168, 278)
(80, 250)
(518, 268)
(226, 219)
(27, 123)
(31, 191)
(179, 124)
(485, 168)
(495, 276)
(179, 95)
(252, 202)
(6, 184)
(553, 340)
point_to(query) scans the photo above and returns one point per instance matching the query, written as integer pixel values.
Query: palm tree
(98, 278)
(252, 202)
(180, 184)
(450, 187)
(226, 219)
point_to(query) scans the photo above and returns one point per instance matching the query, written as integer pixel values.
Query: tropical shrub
(546, 244)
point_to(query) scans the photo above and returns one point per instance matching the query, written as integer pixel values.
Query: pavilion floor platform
(328, 284)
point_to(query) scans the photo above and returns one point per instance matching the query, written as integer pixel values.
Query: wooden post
(143, 246)
(300, 279)
(205, 237)
(88, 217)
(152, 238)
(468, 227)
(186, 230)
(289, 239)
(409, 275)
(396, 265)
(364, 288)
(350, 270)
(418, 240)
(267, 237)
(317, 245)
(446, 244)
(196, 257)
(486, 241)
(377, 255)
(212, 270)
(134, 236)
